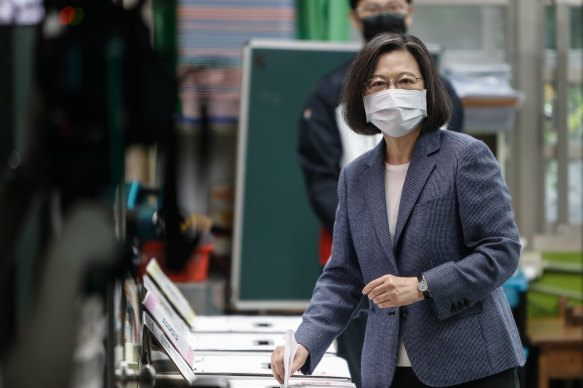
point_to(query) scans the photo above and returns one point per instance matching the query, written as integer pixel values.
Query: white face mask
(396, 112)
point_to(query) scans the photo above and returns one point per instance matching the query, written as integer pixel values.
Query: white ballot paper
(288, 355)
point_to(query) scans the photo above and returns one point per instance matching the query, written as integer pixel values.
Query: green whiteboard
(275, 245)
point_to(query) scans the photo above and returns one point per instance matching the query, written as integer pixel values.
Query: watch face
(422, 286)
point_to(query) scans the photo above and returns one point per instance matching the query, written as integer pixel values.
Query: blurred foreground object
(99, 87)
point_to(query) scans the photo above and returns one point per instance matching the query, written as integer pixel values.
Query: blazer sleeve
(489, 232)
(337, 292)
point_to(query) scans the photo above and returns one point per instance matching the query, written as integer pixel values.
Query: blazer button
(403, 313)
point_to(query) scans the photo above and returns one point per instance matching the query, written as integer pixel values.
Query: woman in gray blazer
(424, 228)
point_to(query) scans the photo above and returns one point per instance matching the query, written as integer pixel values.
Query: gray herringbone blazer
(456, 226)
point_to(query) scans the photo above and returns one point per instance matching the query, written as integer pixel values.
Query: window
(563, 112)
(484, 30)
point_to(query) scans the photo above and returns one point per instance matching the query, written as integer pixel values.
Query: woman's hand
(393, 291)
(277, 362)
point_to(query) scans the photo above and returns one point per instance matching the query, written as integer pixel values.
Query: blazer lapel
(419, 170)
(374, 188)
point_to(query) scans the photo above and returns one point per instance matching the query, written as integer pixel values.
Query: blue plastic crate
(514, 286)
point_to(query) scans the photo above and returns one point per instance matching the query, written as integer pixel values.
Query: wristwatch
(423, 287)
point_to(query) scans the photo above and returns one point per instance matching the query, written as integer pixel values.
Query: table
(560, 349)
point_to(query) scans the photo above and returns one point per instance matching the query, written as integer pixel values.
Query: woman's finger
(382, 298)
(277, 364)
(372, 285)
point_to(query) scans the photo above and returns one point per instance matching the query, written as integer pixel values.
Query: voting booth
(183, 349)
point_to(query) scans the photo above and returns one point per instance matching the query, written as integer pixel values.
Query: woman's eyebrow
(400, 74)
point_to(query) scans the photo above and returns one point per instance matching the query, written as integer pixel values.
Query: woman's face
(395, 69)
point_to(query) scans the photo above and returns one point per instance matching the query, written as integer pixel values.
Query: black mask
(383, 22)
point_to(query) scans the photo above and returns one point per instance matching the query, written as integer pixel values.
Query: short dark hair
(439, 105)
(354, 3)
